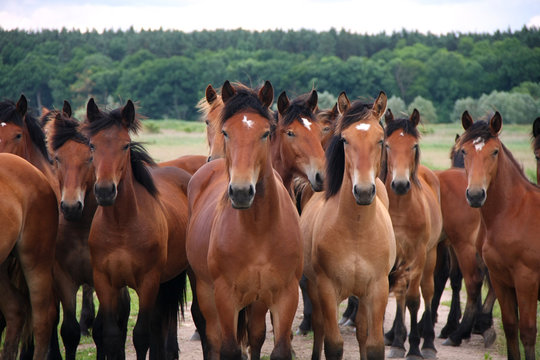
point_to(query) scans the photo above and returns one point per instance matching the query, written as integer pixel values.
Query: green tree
(428, 113)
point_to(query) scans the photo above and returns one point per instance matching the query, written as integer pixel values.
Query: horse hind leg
(454, 315)
(441, 274)
(256, 313)
(87, 310)
(12, 305)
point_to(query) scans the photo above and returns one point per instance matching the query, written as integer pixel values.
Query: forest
(166, 72)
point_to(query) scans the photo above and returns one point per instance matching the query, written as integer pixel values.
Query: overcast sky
(374, 16)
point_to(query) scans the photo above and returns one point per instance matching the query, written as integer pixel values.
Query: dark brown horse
(71, 154)
(349, 244)
(536, 146)
(243, 240)
(415, 209)
(137, 237)
(29, 220)
(509, 205)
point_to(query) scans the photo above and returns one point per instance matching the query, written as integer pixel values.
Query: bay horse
(29, 221)
(243, 240)
(71, 154)
(349, 244)
(210, 108)
(461, 242)
(137, 237)
(414, 194)
(536, 146)
(509, 205)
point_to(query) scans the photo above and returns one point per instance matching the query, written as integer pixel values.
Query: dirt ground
(469, 350)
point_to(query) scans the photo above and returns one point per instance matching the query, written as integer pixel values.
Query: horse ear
(379, 106)
(334, 111)
(495, 124)
(343, 102)
(415, 117)
(536, 127)
(92, 110)
(128, 113)
(266, 94)
(227, 91)
(466, 120)
(22, 105)
(388, 116)
(456, 139)
(312, 101)
(283, 103)
(211, 94)
(67, 109)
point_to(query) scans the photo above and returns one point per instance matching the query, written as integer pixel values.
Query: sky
(357, 16)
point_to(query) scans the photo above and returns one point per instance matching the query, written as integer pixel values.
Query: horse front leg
(256, 313)
(283, 311)
(227, 310)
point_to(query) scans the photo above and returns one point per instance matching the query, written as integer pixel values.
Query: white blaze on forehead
(306, 123)
(248, 123)
(363, 127)
(478, 143)
(3, 124)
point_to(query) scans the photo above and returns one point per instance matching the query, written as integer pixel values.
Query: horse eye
(463, 152)
(537, 158)
(344, 141)
(326, 129)
(265, 135)
(90, 159)
(290, 133)
(495, 152)
(415, 147)
(225, 134)
(206, 121)
(126, 146)
(57, 159)
(92, 147)
(18, 136)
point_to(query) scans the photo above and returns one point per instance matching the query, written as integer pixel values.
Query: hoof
(349, 322)
(414, 357)
(195, 337)
(429, 353)
(443, 336)
(396, 353)
(489, 337)
(449, 342)
(343, 320)
(301, 332)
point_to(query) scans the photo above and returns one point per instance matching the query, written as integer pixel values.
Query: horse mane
(106, 119)
(204, 107)
(63, 129)
(536, 142)
(298, 108)
(9, 114)
(245, 98)
(407, 127)
(335, 153)
(457, 157)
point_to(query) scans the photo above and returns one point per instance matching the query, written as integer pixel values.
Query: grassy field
(169, 139)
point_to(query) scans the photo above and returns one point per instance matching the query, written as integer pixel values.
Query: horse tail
(172, 297)
(397, 272)
(242, 328)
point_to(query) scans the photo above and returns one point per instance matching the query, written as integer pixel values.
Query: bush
(397, 105)
(428, 113)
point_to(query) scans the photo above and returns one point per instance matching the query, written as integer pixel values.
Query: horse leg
(350, 312)
(70, 330)
(509, 313)
(256, 328)
(317, 321)
(87, 310)
(369, 324)
(12, 304)
(196, 314)
(227, 310)
(484, 320)
(398, 333)
(211, 330)
(427, 285)
(454, 315)
(283, 311)
(143, 337)
(333, 342)
(305, 326)
(441, 274)
(527, 297)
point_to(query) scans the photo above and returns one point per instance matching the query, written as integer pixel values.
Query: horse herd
(331, 195)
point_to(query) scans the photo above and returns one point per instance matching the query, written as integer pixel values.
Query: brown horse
(210, 108)
(73, 163)
(29, 220)
(137, 237)
(327, 118)
(462, 237)
(349, 244)
(416, 215)
(509, 205)
(243, 239)
(536, 146)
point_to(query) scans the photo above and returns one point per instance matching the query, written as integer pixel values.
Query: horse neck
(506, 191)
(32, 154)
(282, 165)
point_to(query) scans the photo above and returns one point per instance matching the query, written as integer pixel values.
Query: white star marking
(363, 127)
(307, 123)
(249, 123)
(478, 143)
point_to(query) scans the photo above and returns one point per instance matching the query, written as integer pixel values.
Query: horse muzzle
(401, 187)
(364, 194)
(317, 181)
(105, 194)
(72, 210)
(241, 195)
(476, 197)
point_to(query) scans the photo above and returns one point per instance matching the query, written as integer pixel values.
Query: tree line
(166, 72)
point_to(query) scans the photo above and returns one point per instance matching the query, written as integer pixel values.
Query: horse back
(189, 163)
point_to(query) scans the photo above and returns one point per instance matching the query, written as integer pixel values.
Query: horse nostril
(79, 205)
(318, 178)
(251, 190)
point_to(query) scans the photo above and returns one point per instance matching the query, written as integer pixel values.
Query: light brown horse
(349, 244)
(71, 154)
(416, 215)
(29, 220)
(536, 146)
(243, 239)
(137, 237)
(210, 108)
(509, 205)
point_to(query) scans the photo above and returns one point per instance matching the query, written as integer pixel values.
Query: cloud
(534, 21)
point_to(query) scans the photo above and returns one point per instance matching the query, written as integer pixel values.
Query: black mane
(9, 114)
(296, 110)
(107, 119)
(244, 98)
(66, 129)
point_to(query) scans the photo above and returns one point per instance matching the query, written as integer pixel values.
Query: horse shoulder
(205, 180)
(386, 232)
